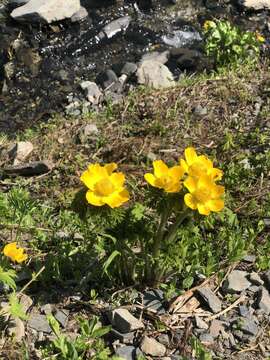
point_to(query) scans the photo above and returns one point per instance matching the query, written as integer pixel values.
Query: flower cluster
(15, 253)
(195, 173)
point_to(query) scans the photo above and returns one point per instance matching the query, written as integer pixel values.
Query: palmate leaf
(8, 277)
(16, 308)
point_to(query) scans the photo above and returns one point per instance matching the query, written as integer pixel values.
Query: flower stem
(173, 229)
(160, 231)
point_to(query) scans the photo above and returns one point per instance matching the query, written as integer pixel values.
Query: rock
(160, 57)
(153, 300)
(164, 339)
(152, 347)
(182, 38)
(236, 282)
(199, 110)
(29, 169)
(248, 326)
(16, 329)
(92, 92)
(123, 321)
(126, 338)
(20, 151)
(210, 298)
(255, 4)
(266, 278)
(39, 323)
(26, 302)
(154, 74)
(114, 27)
(189, 59)
(216, 328)
(87, 132)
(244, 311)
(16, 3)
(9, 70)
(46, 309)
(126, 352)
(46, 11)
(127, 68)
(255, 279)
(200, 324)
(107, 78)
(207, 339)
(263, 300)
(62, 316)
(80, 15)
(249, 258)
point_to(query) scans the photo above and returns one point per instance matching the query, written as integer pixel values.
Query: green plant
(199, 351)
(228, 44)
(87, 345)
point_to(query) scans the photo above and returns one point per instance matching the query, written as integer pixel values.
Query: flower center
(104, 187)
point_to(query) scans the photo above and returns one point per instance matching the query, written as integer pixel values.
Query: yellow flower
(165, 178)
(205, 195)
(208, 24)
(197, 166)
(105, 187)
(14, 253)
(259, 37)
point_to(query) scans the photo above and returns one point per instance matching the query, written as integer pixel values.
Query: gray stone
(154, 74)
(199, 110)
(255, 279)
(62, 316)
(248, 326)
(20, 151)
(263, 300)
(200, 323)
(152, 347)
(236, 282)
(160, 57)
(16, 329)
(126, 338)
(129, 69)
(255, 4)
(46, 11)
(266, 278)
(210, 298)
(114, 27)
(107, 78)
(80, 15)
(46, 309)
(244, 310)
(153, 300)
(26, 302)
(123, 321)
(39, 323)
(249, 258)
(207, 339)
(29, 169)
(16, 3)
(181, 38)
(164, 339)
(216, 328)
(126, 352)
(92, 92)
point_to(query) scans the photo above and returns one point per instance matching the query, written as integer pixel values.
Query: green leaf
(8, 278)
(108, 262)
(16, 308)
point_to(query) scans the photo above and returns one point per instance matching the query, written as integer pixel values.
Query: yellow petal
(190, 183)
(176, 172)
(203, 209)
(10, 248)
(216, 205)
(215, 174)
(104, 187)
(93, 199)
(117, 199)
(151, 179)
(217, 191)
(97, 171)
(174, 187)
(160, 168)
(190, 201)
(88, 179)
(20, 256)
(110, 168)
(190, 155)
(117, 179)
(184, 165)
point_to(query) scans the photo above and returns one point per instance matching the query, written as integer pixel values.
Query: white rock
(92, 92)
(79, 15)
(152, 347)
(153, 73)
(46, 11)
(123, 321)
(256, 4)
(20, 151)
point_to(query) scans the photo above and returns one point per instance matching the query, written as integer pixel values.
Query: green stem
(160, 231)
(173, 229)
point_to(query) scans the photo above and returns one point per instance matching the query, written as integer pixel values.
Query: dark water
(47, 63)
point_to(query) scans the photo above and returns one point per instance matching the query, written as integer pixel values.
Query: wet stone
(210, 298)
(154, 300)
(236, 282)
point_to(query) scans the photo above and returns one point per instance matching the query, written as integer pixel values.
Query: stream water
(40, 66)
